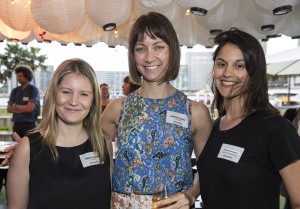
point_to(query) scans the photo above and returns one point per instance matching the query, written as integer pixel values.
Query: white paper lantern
(17, 15)
(13, 34)
(58, 16)
(203, 4)
(154, 3)
(272, 4)
(190, 33)
(172, 11)
(90, 30)
(72, 37)
(105, 13)
(221, 18)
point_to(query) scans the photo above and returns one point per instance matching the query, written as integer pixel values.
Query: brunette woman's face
(152, 58)
(126, 88)
(229, 70)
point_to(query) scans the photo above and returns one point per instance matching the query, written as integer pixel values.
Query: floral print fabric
(152, 152)
(131, 201)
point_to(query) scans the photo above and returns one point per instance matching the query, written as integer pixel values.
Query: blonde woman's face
(73, 99)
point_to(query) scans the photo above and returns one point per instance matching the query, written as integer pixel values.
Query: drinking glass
(159, 196)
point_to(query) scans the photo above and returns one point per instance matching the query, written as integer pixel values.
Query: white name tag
(89, 159)
(230, 152)
(25, 99)
(177, 118)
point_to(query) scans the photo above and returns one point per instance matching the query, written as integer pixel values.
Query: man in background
(24, 102)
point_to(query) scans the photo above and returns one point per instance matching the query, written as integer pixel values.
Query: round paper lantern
(17, 15)
(154, 3)
(13, 34)
(221, 18)
(90, 30)
(172, 11)
(72, 37)
(190, 33)
(108, 14)
(272, 4)
(200, 7)
(58, 16)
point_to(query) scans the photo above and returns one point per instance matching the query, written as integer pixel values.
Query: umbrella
(291, 67)
(285, 63)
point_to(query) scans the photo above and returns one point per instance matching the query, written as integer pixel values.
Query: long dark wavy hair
(255, 90)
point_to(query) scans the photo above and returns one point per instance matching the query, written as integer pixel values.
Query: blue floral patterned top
(154, 145)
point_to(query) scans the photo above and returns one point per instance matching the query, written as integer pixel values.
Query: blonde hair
(48, 126)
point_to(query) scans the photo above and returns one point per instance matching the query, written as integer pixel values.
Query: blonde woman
(65, 162)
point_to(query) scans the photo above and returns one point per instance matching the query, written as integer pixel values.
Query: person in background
(128, 86)
(157, 126)
(293, 115)
(65, 162)
(24, 102)
(104, 95)
(251, 147)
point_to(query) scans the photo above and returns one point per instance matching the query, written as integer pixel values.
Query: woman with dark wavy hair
(251, 148)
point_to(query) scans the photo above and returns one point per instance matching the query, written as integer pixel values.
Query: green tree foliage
(16, 54)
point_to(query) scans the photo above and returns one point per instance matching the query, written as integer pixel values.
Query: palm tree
(16, 54)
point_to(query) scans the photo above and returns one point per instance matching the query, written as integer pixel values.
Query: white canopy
(284, 63)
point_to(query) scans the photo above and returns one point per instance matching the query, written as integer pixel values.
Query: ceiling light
(264, 39)
(109, 26)
(13, 40)
(198, 11)
(267, 27)
(296, 37)
(282, 10)
(47, 41)
(273, 36)
(215, 31)
(209, 47)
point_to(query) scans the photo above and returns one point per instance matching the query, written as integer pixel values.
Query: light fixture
(296, 37)
(273, 36)
(264, 39)
(47, 41)
(13, 40)
(282, 10)
(209, 47)
(215, 31)
(198, 11)
(109, 26)
(267, 27)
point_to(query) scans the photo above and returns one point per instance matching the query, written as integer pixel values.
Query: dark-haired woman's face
(152, 58)
(229, 70)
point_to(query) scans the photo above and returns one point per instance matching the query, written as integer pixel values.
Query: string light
(116, 33)
(187, 12)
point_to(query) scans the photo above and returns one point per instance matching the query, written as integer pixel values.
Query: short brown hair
(155, 25)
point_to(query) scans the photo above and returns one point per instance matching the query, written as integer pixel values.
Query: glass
(159, 196)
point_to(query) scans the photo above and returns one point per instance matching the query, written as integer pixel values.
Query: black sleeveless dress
(67, 183)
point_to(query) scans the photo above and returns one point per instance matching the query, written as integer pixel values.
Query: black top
(66, 184)
(253, 181)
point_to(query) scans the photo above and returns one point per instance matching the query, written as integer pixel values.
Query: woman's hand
(10, 150)
(177, 200)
